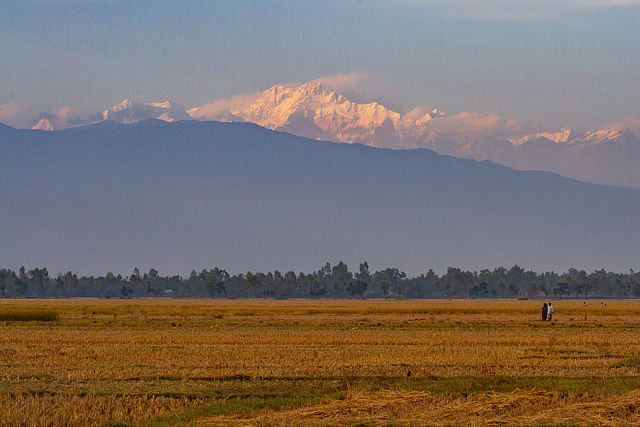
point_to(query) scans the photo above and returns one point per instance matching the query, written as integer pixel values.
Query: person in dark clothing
(545, 309)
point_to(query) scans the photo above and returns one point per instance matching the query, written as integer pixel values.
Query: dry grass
(520, 407)
(255, 350)
(72, 410)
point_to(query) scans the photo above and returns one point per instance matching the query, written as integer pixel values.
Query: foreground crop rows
(262, 361)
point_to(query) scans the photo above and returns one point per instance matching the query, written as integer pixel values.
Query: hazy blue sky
(562, 62)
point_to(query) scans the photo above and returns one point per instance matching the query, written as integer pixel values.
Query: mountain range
(191, 194)
(313, 110)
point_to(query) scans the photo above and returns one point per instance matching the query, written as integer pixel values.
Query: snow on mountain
(562, 135)
(44, 124)
(130, 112)
(604, 156)
(315, 111)
(599, 136)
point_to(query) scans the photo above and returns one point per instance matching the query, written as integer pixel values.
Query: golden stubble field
(305, 362)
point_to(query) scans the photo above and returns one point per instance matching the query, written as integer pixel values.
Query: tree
(221, 288)
(288, 284)
(532, 289)
(431, 284)
(316, 289)
(357, 287)
(467, 282)
(501, 288)
(515, 277)
(560, 289)
(635, 288)
(111, 286)
(388, 280)
(125, 292)
(20, 288)
(38, 281)
(71, 284)
(58, 287)
(151, 280)
(581, 283)
(340, 276)
(251, 282)
(480, 290)
(214, 281)
(363, 273)
(384, 284)
(210, 285)
(136, 282)
(453, 280)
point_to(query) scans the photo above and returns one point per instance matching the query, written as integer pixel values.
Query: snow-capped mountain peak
(44, 124)
(166, 104)
(314, 110)
(563, 135)
(124, 105)
(602, 135)
(129, 111)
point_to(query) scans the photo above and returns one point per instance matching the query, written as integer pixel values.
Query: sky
(557, 63)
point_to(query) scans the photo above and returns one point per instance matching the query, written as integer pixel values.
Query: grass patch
(29, 315)
(236, 405)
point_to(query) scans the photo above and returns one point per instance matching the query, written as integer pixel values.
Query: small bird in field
(409, 374)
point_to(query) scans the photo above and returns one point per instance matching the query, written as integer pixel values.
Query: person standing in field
(550, 312)
(544, 311)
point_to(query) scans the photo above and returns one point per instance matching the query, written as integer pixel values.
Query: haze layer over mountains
(191, 194)
(608, 155)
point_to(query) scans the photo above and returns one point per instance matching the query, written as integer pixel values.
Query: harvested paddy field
(303, 362)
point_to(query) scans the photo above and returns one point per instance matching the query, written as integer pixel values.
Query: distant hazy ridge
(178, 195)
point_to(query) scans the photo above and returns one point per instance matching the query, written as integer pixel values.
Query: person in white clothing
(550, 312)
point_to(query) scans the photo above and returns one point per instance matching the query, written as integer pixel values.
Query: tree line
(327, 282)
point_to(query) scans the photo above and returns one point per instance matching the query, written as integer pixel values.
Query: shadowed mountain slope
(189, 194)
